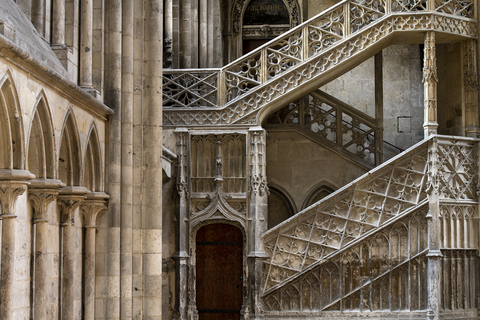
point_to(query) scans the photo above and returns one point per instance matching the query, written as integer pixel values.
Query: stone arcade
(243, 159)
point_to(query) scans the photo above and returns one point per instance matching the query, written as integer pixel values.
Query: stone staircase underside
(310, 55)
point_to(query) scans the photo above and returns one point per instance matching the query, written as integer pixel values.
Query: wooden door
(219, 272)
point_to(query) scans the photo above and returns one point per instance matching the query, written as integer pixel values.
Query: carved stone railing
(191, 88)
(305, 57)
(375, 206)
(334, 123)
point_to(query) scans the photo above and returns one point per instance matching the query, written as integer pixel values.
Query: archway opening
(263, 20)
(219, 272)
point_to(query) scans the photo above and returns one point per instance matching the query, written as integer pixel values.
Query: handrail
(313, 37)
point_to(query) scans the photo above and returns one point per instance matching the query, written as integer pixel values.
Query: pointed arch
(11, 125)
(41, 159)
(69, 159)
(93, 171)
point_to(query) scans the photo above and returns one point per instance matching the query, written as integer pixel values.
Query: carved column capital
(69, 200)
(9, 193)
(94, 206)
(40, 200)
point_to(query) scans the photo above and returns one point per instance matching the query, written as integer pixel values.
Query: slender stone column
(58, 24)
(434, 236)
(430, 81)
(92, 207)
(68, 204)
(9, 193)
(41, 195)
(257, 220)
(152, 204)
(86, 42)
(38, 16)
(113, 98)
(126, 232)
(181, 255)
(470, 85)
(379, 108)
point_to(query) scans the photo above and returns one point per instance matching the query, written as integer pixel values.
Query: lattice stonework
(190, 88)
(308, 239)
(457, 170)
(386, 271)
(330, 121)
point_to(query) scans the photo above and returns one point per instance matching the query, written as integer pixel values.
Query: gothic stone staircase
(384, 242)
(247, 90)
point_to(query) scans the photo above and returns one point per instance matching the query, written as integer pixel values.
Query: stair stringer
(252, 106)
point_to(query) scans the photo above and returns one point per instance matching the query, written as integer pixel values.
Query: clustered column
(86, 42)
(58, 24)
(9, 193)
(68, 204)
(40, 199)
(181, 254)
(92, 207)
(257, 220)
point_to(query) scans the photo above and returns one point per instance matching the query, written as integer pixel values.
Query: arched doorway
(219, 272)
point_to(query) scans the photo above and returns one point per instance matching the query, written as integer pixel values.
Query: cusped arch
(41, 160)
(93, 161)
(11, 125)
(69, 159)
(240, 6)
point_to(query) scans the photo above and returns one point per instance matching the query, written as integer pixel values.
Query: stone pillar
(430, 81)
(113, 98)
(434, 255)
(185, 34)
(92, 207)
(69, 202)
(38, 16)
(126, 209)
(256, 221)
(152, 138)
(58, 24)
(181, 255)
(470, 85)
(9, 193)
(41, 194)
(86, 42)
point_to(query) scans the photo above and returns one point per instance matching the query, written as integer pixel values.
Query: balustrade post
(183, 307)
(221, 88)
(9, 193)
(264, 65)
(256, 221)
(346, 14)
(41, 194)
(430, 81)
(470, 86)
(434, 256)
(68, 201)
(305, 43)
(93, 206)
